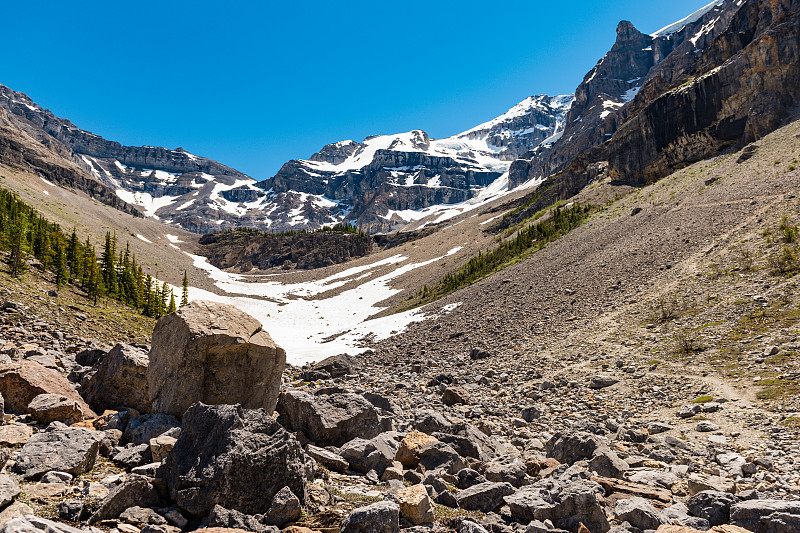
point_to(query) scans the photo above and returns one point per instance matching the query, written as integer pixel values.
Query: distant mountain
(368, 183)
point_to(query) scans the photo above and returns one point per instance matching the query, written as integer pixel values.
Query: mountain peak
(626, 31)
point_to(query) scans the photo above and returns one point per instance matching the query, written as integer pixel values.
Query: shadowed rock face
(216, 354)
(723, 81)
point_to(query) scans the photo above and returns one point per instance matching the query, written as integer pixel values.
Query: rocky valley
(455, 357)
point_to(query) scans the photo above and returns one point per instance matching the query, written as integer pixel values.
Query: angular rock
(234, 457)
(216, 354)
(139, 516)
(161, 446)
(601, 382)
(234, 520)
(134, 455)
(47, 408)
(332, 367)
(15, 510)
(767, 516)
(120, 380)
(429, 421)
(639, 513)
(331, 419)
(484, 497)
(22, 381)
(410, 446)
(712, 505)
(62, 448)
(9, 489)
(381, 517)
(415, 505)
(511, 470)
(437, 455)
(455, 395)
(570, 447)
(13, 434)
(328, 459)
(689, 410)
(565, 502)
(134, 491)
(699, 482)
(285, 508)
(607, 463)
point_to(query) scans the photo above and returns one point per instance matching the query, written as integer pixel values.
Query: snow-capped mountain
(367, 183)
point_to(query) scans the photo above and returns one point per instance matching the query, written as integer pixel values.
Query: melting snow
(172, 238)
(145, 239)
(303, 327)
(146, 201)
(694, 17)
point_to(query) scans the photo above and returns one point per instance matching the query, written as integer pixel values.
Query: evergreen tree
(59, 265)
(172, 307)
(185, 290)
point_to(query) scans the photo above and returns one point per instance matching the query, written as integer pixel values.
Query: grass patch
(703, 399)
(792, 421)
(773, 388)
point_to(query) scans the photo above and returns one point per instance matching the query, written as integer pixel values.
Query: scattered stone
(767, 516)
(120, 380)
(216, 354)
(454, 396)
(698, 482)
(161, 446)
(328, 459)
(62, 448)
(14, 434)
(689, 410)
(47, 408)
(285, 508)
(712, 505)
(234, 457)
(332, 367)
(9, 489)
(639, 513)
(134, 491)
(408, 453)
(134, 455)
(34, 524)
(484, 497)
(415, 504)
(142, 429)
(705, 426)
(381, 517)
(14, 510)
(331, 419)
(22, 381)
(601, 382)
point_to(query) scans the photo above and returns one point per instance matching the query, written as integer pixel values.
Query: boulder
(365, 455)
(47, 408)
(15, 510)
(134, 455)
(234, 457)
(429, 421)
(410, 446)
(13, 434)
(484, 497)
(455, 395)
(136, 490)
(285, 508)
(216, 354)
(566, 502)
(331, 419)
(767, 516)
(601, 382)
(640, 513)
(22, 381)
(699, 482)
(236, 521)
(66, 449)
(712, 505)
(161, 446)
(381, 517)
(567, 448)
(415, 505)
(9, 489)
(333, 367)
(119, 381)
(328, 459)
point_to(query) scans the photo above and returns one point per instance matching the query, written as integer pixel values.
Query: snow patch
(694, 17)
(143, 238)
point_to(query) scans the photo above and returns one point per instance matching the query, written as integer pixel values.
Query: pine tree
(171, 308)
(185, 290)
(59, 264)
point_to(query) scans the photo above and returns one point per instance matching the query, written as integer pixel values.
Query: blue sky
(254, 84)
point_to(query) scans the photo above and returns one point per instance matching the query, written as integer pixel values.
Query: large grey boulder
(567, 448)
(766, 516)
(47, 408)
(9, 489)
(712, 505)
(484, 497)
(234, 457)
(640, 513)
(234, 520)
(565, 501)
(136, 490)
(142, 429)
(331, 419)
(381, 517)
(216, 354)
(62, 448)
(119, 381)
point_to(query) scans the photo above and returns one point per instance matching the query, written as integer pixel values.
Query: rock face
(120, 380)
(234, 457)
(61, 448)
(216, 354)
(331, 419)
(24, 380)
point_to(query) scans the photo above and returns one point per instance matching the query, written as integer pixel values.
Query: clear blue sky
(254, 84)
